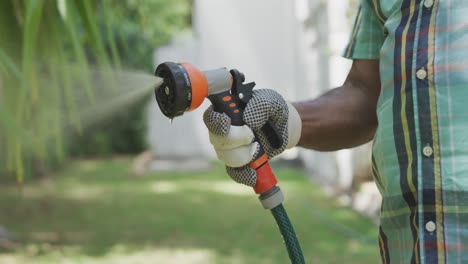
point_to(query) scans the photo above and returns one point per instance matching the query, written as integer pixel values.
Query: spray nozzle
(185, 87)
(174, 96)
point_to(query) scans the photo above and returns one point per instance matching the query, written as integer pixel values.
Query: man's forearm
(338, 119)
(344, 117)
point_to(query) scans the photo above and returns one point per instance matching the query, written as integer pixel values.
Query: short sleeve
(367, 36)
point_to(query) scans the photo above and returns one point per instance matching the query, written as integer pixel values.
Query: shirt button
(428, 3)
(430, 226)
(427, 151)
(421, 74)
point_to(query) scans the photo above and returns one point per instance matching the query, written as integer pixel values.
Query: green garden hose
(273, 200)
(289, 236)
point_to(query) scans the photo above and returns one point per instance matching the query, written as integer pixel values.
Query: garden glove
(234, 144)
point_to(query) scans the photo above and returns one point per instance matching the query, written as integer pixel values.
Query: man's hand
(235, 145)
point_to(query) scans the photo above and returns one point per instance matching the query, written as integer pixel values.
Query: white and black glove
(235, 145)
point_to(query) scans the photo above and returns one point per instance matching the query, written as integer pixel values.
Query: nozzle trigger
(242, 91)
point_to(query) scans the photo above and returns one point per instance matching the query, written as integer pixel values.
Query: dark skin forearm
(344, 117)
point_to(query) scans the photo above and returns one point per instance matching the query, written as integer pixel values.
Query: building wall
(261, 38)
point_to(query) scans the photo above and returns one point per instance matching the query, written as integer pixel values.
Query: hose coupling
(271, 198)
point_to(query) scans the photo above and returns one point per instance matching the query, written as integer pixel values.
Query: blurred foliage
(138, 26)
(46, 79)
(123, 133)
(142, 25)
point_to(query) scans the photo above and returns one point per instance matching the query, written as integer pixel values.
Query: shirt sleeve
(367, 36)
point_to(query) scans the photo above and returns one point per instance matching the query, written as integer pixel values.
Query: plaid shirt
(420, 153)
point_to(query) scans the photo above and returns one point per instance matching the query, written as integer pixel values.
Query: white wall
(260, 38)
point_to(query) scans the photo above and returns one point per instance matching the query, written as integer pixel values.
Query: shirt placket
(427, 201)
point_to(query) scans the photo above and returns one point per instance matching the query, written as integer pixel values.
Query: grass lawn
(94, 212)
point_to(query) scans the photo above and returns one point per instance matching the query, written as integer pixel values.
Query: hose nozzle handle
(233, 103)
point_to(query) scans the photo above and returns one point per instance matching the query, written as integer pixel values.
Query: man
(406, 90)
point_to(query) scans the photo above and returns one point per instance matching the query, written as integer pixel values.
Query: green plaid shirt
(420, 153)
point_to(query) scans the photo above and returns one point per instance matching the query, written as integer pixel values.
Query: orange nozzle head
(199, 85)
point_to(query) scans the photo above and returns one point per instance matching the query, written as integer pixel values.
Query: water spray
(185, 87)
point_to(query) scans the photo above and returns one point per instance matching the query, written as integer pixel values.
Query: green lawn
(94, 212)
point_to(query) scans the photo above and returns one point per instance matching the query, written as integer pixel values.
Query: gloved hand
(234, 144)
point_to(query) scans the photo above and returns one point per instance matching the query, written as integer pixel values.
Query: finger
(265, 104)
(244, 175)
(217, 123)
(256, 112)
(240, 156)
(238, 136)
